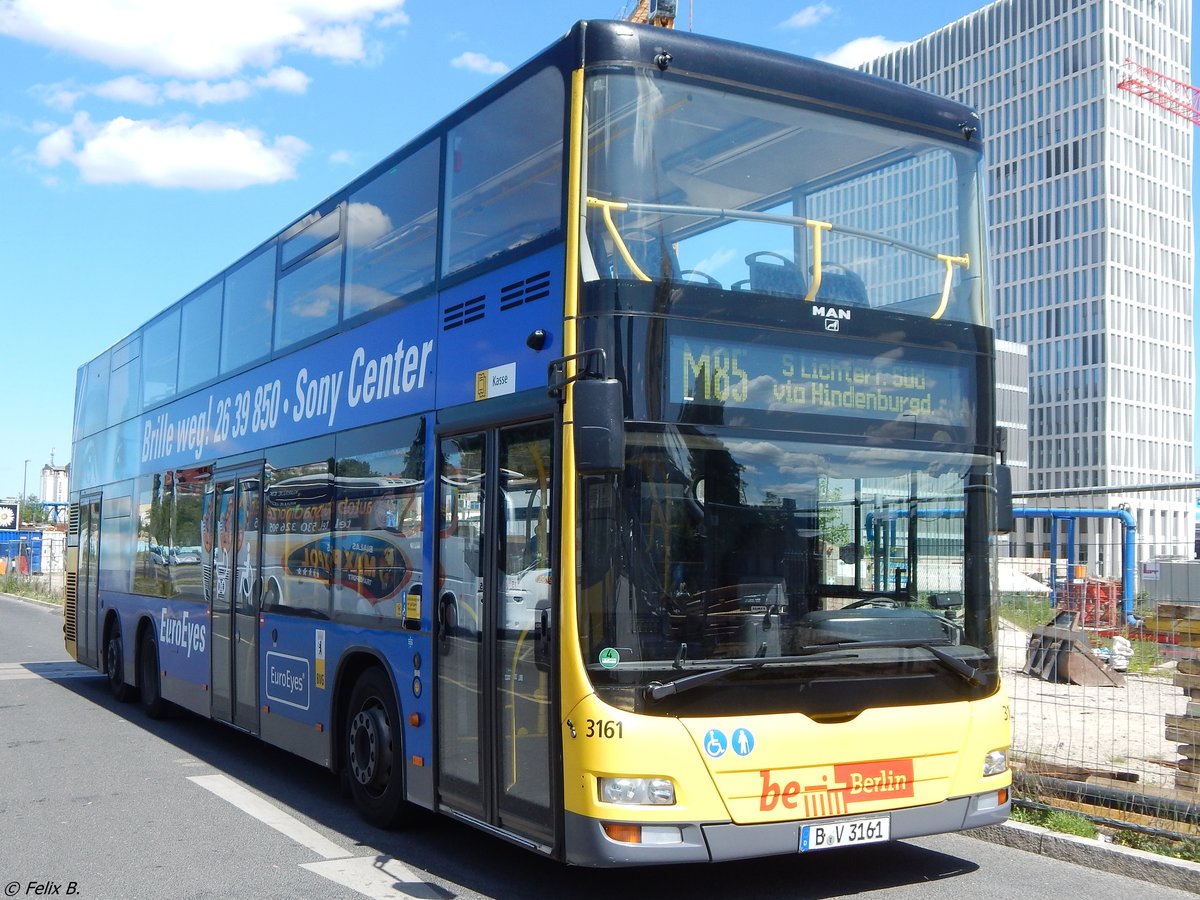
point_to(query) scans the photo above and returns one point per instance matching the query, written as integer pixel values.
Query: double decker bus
(613, 468)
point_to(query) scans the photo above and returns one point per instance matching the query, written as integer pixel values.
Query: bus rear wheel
(114, 665)
(374, 748)
(149, 687)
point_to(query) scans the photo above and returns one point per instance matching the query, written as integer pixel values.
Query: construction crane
(654, 12)
(1173, 96)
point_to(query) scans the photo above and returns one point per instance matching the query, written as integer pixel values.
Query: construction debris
(1185, 729)
(1061, 652)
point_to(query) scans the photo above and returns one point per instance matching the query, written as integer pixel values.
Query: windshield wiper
(657, 690)
(956, 665)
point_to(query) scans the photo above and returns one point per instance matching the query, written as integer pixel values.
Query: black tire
(374, 749)
(149, 686)
(114, 666)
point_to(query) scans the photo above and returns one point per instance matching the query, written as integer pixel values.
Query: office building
(1091, 234)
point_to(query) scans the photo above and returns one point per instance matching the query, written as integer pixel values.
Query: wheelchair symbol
(715, 743)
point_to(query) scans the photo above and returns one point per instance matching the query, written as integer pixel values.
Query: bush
(1186, 848)
(1056, 820)
(1026, 611)
(28, 586)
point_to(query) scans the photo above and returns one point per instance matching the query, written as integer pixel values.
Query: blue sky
(147, 144)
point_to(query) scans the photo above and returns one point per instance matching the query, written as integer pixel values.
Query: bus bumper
(587, 844)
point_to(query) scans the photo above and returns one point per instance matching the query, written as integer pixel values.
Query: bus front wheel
(374, 749)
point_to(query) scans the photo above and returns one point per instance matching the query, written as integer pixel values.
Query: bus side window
(504, 184)
(378, 521)
(391, 233)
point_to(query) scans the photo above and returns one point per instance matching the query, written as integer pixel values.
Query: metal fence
(1100, 649)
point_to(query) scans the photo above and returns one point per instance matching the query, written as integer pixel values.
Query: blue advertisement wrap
(288, 680)
(428, 355)
(351, 379)
(298, 670)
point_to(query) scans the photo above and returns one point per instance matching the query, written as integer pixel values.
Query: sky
(147, 144)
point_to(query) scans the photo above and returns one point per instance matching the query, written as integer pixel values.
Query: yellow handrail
(817, 227)
(606, 207)
(950, 262)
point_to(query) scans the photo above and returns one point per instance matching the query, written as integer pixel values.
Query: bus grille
(533, 288)
(69, 606)
(463, 313)
(73, 525)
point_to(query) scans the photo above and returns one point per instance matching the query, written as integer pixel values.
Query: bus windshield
(698, 185)
(785, 562)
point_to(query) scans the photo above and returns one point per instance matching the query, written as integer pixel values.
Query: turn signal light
(626, 834)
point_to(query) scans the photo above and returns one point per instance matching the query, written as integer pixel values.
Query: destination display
(823, 382)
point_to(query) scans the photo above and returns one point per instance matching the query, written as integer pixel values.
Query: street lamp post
(21, 506)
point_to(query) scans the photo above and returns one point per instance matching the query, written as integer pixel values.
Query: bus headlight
(637, 791)
(995, 763)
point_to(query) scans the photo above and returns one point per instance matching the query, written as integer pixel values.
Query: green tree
(34, 512)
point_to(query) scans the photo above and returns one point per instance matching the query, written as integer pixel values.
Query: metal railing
(1100, 649)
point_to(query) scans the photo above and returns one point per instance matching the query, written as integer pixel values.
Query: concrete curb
(1149, 867)
(43, 603)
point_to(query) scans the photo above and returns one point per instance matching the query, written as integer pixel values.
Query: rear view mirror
(599, 410)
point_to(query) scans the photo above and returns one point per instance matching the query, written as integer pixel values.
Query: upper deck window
(504, 173)
(200, 331)
(124, 382)
(309, 297)
(316, 234)
(91, 396)
(691, 183)
(160, 359)
(249, 309)
(391, 233)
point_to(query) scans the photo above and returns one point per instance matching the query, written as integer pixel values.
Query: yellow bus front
(777, 607)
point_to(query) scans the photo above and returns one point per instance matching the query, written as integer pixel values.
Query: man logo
(831, 312)
(833, 316)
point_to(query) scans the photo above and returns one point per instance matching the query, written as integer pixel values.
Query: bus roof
(825, 84)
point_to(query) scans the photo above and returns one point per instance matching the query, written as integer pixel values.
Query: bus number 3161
(605, 728)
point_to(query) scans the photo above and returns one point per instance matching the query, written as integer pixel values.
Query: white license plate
(845, 832)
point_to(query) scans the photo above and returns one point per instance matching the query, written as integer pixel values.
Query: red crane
(1173, 96)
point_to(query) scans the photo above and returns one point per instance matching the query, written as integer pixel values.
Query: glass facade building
(1091, 233)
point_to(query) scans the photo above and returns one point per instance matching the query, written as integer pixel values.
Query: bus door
(496, 734)
(233, 512)
(87, 636)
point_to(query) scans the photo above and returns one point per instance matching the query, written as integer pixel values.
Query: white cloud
(58, 96)
(215, 39)
(56, 147)
(134, 89)
(286, 79)
(201, 92)
(175, 154)
(341, 42)
(860, 50)
(398, 18)
(477, 62)
(808, 16)
(129, 89)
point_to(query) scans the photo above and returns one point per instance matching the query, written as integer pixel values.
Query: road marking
(269, 814)
(371, 876)
(377, 877)
(50, 671)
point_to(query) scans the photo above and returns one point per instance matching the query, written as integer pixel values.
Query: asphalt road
(98, 801)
